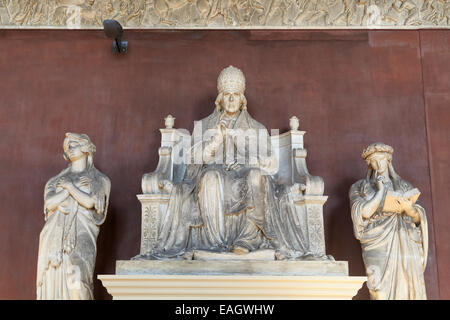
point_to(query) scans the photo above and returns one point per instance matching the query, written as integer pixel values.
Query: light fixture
(114, 30)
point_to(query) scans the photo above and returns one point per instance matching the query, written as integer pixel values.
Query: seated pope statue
(228, 200)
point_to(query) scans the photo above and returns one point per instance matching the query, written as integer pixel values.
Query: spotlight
(114, 30)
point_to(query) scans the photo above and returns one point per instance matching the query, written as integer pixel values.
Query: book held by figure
(394, 199)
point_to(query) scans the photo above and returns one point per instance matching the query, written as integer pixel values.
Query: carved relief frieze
(296, 14)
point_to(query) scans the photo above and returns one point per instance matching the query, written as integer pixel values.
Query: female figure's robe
(68, 241)
(394, 248)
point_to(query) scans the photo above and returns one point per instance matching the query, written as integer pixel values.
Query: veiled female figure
(394, 242)
(75, 205)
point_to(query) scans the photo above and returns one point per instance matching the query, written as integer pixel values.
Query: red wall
(435, 53)
(349, 89)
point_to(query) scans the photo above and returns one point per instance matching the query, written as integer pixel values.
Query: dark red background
(349, 89)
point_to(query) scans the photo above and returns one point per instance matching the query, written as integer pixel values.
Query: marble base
(232, 267)
(235, 280)
(267, 255)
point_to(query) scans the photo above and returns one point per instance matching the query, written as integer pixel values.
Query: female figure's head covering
(387, 151)
(86, 146)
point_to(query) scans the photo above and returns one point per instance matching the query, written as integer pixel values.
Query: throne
(306, 190)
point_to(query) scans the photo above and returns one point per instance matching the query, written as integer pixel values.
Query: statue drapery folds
(393, 234)
(76, 203)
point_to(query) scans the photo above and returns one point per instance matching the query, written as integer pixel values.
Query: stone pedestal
(242, 280)
(310, 212)
(153, 206)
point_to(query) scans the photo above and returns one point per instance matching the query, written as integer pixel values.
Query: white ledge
(185, 287)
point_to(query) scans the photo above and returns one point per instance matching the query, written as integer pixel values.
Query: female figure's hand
(64, 182)
(56, 198)
(372, 205)
(410, 211)
(380, 183)
(85, 182)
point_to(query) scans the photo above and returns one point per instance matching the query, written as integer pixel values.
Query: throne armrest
(308, 184)
(152, 183)
(292, 170)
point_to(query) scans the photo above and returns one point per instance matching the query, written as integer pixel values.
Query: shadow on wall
(363, 293)
(106, 252)
(340, 240)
